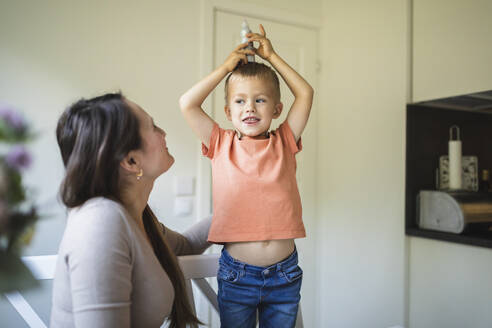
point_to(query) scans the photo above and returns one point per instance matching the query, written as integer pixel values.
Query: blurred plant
(17, 214)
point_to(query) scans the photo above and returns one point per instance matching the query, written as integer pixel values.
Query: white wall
(307, 8)
(450, 284)
(53, 52)
(361, 163)
(452, 47)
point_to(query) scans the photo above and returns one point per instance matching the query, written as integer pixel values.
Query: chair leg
(207, 291)
(25, 310)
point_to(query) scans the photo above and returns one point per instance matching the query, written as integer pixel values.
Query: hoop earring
(140, 174)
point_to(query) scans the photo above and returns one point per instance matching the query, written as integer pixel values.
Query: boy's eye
(239, 101)
(261, 100)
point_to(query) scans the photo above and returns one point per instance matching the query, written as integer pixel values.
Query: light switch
(183, 206)
(183, 186)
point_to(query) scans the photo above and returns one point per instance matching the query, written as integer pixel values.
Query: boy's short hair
(257, 70)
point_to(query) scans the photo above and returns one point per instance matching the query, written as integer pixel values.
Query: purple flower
(18, 158)
(12, 118)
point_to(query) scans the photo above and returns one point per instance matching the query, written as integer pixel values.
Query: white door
(298, 47)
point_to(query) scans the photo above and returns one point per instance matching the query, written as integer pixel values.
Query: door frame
(208, 11)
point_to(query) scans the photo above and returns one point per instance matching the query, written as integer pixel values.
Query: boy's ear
(131, 163)
(278, 110)
(227, 111)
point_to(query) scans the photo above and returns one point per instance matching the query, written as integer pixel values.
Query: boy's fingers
(246, 51)
(255, 39)
(262, 30)
(241, 46)
(252, 35)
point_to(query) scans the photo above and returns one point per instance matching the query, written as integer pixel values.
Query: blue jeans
(243, 289)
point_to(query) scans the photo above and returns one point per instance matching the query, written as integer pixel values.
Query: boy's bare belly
(261, 253)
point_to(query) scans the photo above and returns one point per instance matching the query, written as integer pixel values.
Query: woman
(117, 264)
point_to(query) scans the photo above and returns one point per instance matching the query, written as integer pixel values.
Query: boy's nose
(250, 107)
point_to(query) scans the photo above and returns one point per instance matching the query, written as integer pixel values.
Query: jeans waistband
(288, 262)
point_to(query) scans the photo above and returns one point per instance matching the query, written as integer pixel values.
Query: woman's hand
(265, 50)
(237, 57)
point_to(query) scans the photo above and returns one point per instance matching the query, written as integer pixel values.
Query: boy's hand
(237, 57)
(265, 50)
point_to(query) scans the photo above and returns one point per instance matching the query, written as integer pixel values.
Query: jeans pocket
(227, 274)
(292, 273)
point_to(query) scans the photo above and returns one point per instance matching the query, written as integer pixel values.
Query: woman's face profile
(155, 157)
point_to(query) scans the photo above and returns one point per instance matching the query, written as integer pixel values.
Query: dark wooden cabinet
(427, 139)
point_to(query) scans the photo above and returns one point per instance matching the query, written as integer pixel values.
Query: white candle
(455, 168)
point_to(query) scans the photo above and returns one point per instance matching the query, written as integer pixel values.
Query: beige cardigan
(107, 274)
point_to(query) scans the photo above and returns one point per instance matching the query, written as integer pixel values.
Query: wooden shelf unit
(427, 139)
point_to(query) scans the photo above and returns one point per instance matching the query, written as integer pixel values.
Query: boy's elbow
(308, 92)
(184, 103)
(311, 92)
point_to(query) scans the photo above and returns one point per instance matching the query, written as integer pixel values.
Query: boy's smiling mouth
(251, 120)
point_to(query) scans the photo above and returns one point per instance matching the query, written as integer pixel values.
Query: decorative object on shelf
(453, 211)
(469, 173)
(454, 153)
(17, 213)
(485, 181)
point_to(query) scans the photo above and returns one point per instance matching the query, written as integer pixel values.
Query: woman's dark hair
(94, 136)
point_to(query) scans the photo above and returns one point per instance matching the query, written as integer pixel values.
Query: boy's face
(251, 105)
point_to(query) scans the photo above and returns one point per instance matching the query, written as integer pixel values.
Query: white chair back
(42, 268)
(195, 268)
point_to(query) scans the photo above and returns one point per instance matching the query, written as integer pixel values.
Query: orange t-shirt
(255, 195)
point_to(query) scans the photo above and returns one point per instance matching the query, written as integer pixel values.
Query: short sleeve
(213, 144)
(100, 267)
(288, 138)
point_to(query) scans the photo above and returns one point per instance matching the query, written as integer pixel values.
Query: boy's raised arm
(191, 101)
(303, 92)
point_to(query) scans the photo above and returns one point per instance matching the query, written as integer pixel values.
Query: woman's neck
(135, 197)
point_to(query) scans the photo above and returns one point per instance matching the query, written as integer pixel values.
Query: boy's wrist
(274, 56)
(223, 69)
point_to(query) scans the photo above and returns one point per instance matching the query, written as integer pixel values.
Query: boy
(257, 208)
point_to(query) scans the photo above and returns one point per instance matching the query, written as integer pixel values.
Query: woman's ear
(278, 110)
(131, 163)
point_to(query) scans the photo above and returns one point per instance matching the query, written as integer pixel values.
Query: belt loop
(279, 266)
(242, 271)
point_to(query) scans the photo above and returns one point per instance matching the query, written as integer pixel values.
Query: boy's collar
(240, 136)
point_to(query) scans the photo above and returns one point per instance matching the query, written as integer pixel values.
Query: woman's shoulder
(98, 206)
(98, 218)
